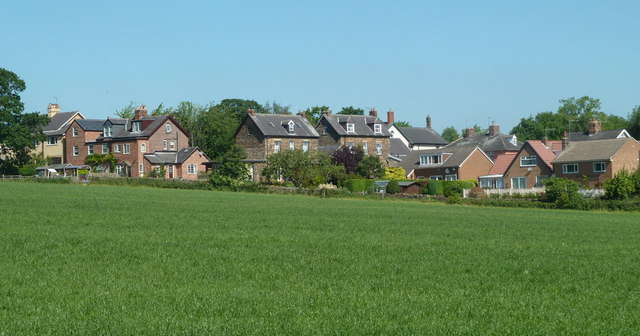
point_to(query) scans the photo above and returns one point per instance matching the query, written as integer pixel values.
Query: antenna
(56, 98)
(548, 129)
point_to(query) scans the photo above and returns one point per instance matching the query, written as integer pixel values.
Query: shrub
(620, 186)
(355, 185)
(393, 187)
(435, 188)
(450, 188)
(477, 192)
(27, 170)
(562, 192)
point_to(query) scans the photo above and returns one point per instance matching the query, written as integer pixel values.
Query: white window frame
(76, 150)
(192, 169)
(167, 128)
(430, 159)
(377, 128)
(519, 179)
(603, 164)
(565, 168)
(119, 169)
(540, 180)
(435, 177)
(172, 145)
(107, 131)
(305, 146)
(276, 146)
(378, 148)
(143, 147)
(141, 168)
(292, 145)
(52, 140)
(526, 161)
(74, 131)
(365, 148)
(292, 126)
(351, 128)
(89, 149)
(126, 149)
(451, 177)
(164, 144)
(136, 127)
(105, 148)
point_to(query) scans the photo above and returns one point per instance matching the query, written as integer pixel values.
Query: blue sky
(462, 62)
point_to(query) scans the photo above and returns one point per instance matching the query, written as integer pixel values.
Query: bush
(393, 187)
(620, 186)
(27, 170)
(562, 192)
(477, 192)
(435, 188)
(450, 188)
(355, 185)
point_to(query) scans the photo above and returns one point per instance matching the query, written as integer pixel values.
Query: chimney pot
(373, 112)
(52, 110)
(494, 129)
(391, 117)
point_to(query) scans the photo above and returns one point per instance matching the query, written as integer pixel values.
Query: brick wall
(530, 173)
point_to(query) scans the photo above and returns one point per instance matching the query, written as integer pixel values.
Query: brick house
(531, 165)
(53, 148)
(369, 132)
(81, 140)
(264, 134)
(185, 163)
(493, 143)
(592, 162)
(456, 163)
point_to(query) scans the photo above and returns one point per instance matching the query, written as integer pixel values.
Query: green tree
(634, 122)
(370, 167)
(238, 107)
(95, 160)
(275, 108)
(314, 113)
(19, 132)
(160, 110)
(393, 187)
(307, 169)
(563, 192)
(351, 110)
(127, 112)
(450, 134)
(621, 186)
(549, 124)
(402, 124)
(230, 164)
(213, 130)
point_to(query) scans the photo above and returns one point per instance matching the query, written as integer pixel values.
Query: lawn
(140, 261)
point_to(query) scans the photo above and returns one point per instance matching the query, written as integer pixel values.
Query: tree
(275, 108)
(19, 132)
(230, 164)
(450, 134)
(128, 111)
(395, 173)
(393, 187)
(213, 130)
(563, 192)
(314, 113)
(549, 124)
(348, 157)
(351, 110)
(160, 110)
(402, 124)
(477, 130)
(301, 168)
(370, 167)
(238, 107)
(634, 122)
(96, 160)
(620, 186)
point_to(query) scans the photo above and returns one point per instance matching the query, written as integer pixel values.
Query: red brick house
(81, 140)
(185, 163)
(456, 163)
(531, 165)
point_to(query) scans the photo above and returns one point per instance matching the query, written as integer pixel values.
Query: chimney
(428, 121)
(373, 112)
(390, 117)
(326, 112)
(251, 112)
(594, 127)
(469, 132)
(494, 129)
(140, 112)
(545, 141)
(52, 110)
(302, 114)
(565, 142)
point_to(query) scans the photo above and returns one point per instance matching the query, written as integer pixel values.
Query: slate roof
(91, 125)
(277, 125)
(60, 122)
(596, 150)
(600, 135)
(459, 155)
(363, 125)
(498, 142)
(502, 163)
(422, 136)
(398, 148)
(165, 157)
(121, 128)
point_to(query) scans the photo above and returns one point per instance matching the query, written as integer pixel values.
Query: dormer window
(377, 128)
(350, 127)
(107, 131)
(430, 159)
(292, 126)
(167, 128)
(136, 127)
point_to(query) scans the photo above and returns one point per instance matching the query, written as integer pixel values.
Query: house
(185, 163)
(531, 165)
(418, 138)
(592, 162)
(368, 132)
(494, 143)
(448, 163)
(595, 132)
(495, 178)
(81, 141)
(264, 134)
(53, 149)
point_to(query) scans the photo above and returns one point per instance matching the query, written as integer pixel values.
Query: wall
(531, 173)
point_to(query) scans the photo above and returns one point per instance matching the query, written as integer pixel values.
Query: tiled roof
(498, 142)
(60, 122)
(545, 153)
(422, 136)
(457, 156)
(585, 151)
(502, 163)
(168, 157)
(91, 125)
(277, 125)
(121, 128)
(600, 135)
(363, 125)
(398, 148)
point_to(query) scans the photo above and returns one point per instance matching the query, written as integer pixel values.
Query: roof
(422, 136)
(60, 122)
(596, 150)
(91, 125)
(277, 125)
(362, 125)
(544, 152)
(600, 135)
(121, 128)
(164, 157)
(490, 143)
(459, 155)
(398, 148)
(502, 163)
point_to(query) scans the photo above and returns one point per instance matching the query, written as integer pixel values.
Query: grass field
(99, 260)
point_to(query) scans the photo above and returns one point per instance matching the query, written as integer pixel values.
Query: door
(170, 168)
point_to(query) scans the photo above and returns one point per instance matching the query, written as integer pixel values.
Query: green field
(139, 261)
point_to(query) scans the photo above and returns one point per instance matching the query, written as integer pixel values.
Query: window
(105, 148)
(291, 126)
(143, 147)
(292, 145)
(324, 129)
(192, 169)
(599, 167)
(141, 168)
(276, 146)
(528, 161)
(570, 168)
(52, 140)
(90, 149)
(164, 144)
(491, 155)
(250, 169)
(377, 128)
(350, 127)
(435, 177)
(127, 148)
(378, 149)
(116, 148)
(451, 177)
(518, 182)
(540, 181)
(305, 146)
(351, 145)
(172, 145)
(430, 159)
(136, 127)
(365, 148)
(74, 131)
(119, 169)
(106, 132)
(167, 128)
(75, 151)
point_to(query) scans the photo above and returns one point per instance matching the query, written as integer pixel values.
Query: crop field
(99, 260)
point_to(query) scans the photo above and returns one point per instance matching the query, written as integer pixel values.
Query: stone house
(591, 163)
(53, 148)
(369, 132)
(264, 134)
